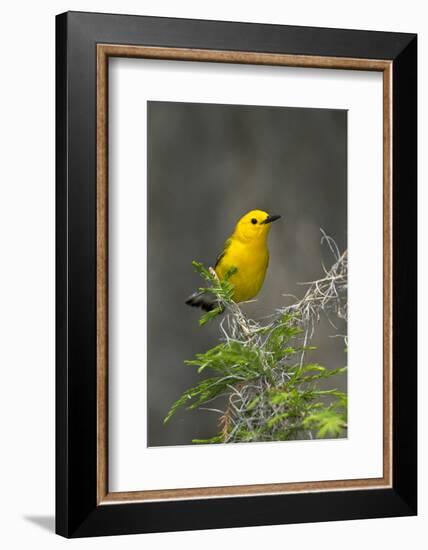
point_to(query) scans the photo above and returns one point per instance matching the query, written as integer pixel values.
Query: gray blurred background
(207, 166)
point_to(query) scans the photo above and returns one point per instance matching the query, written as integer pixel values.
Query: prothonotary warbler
(246, 250)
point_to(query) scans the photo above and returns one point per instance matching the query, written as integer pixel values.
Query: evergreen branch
(272, 392)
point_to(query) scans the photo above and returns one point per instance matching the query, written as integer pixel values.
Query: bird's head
(254, 225)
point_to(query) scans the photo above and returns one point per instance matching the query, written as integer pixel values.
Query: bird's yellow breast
(251, 261)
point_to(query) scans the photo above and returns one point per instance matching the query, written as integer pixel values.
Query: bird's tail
(203, 300)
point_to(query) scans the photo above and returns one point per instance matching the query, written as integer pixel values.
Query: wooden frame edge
(104, 51)
(102, 274)
(387, 275)
(241, 57)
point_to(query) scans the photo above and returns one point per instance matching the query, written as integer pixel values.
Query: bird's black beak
(270, 219)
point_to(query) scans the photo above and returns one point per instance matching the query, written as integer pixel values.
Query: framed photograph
(236, 274)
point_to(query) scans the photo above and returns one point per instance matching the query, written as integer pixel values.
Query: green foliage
(209, 315)
(272, 393)
(327, 422)
(222, 290)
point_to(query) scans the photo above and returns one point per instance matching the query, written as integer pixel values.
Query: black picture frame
(78, 513)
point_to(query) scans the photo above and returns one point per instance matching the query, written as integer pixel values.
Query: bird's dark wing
(220, 256)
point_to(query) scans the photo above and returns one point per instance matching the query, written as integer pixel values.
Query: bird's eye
(254, 221)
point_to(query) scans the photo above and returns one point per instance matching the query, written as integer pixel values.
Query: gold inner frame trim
(104, 51)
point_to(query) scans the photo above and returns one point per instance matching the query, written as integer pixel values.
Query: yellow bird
(246, 250)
